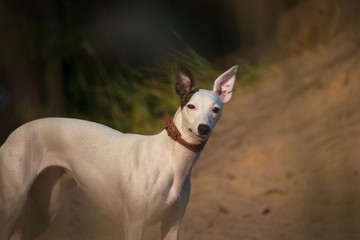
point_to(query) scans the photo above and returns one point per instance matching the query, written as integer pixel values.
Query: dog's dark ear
(184, 80)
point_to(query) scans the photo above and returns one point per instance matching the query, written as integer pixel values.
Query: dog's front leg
(170, 229)
(133, 231)
(133, 222)
(170, 225)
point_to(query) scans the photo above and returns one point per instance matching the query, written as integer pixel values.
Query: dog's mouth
(203, 137)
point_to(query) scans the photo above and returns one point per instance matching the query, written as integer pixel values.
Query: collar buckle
(172, 131)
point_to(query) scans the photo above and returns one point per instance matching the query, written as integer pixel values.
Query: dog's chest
(165, 204)
(162, 196)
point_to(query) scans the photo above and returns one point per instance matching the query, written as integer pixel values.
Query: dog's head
(201, 109)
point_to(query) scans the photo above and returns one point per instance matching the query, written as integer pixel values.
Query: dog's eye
(191, 106)
(216, 110)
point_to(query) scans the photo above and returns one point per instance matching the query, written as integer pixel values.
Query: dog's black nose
(203, 129)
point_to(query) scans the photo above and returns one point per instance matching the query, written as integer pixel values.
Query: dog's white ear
(184, 80)
(224, 84)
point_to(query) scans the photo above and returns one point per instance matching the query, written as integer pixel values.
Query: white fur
(138, 179)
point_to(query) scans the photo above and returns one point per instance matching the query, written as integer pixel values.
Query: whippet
(139, 180)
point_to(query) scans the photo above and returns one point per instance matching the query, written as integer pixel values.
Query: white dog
(138, 179)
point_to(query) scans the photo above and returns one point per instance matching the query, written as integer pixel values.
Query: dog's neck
(184, 158)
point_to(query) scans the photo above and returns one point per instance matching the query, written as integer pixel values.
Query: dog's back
(31, 142)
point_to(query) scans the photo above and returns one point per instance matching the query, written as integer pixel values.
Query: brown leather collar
(175, 134)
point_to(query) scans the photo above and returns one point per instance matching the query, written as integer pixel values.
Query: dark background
(49, 48)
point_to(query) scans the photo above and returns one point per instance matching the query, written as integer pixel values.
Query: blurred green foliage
(249, 76)
(131, 99)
